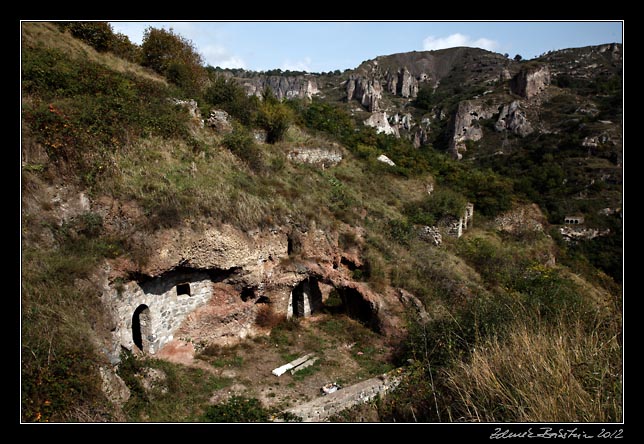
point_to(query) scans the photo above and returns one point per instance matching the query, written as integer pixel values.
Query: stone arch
(306, 298)
(142, 327)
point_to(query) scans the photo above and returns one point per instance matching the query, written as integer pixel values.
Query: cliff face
(530, 81)
(284, 87)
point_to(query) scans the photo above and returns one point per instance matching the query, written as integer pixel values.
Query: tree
(99, 35)
(518, 57)
(228, 95)
(175, 57)
(274, 116)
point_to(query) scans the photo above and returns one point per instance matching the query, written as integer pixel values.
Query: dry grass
(540, 374)
(36, 33)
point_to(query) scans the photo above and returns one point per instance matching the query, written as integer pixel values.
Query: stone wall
(320, 409)
(167, 308)
(322, 157)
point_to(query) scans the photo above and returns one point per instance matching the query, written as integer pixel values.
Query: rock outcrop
(193, 110)
(465, 125)
(284, 87)
(512, 118)
(530, 81)
(403, 83)
(368, 91)
(219, 120)
(379, 121)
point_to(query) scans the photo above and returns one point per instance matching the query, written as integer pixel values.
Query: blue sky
(326, 46)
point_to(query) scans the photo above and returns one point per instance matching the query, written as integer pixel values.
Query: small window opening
(183, 289)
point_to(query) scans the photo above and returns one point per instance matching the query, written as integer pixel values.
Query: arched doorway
(141, 325)
(306, 297)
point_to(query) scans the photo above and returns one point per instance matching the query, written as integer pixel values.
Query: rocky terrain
(410, 209)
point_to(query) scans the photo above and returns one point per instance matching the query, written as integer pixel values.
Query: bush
(238, 409)
(242, 144)
(274, 117)
(443, 202)
(98, 35)
(175, 57)
(228, 95)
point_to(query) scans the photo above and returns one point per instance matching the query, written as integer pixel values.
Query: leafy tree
(274, 116)
(175, 57)
(228, 95)
(99, 35)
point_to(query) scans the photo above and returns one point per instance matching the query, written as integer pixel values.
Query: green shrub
(242, 144)
(274, 116)
(443, 202)
(238, 409)
(175, 57)
(228, 95)
(99, 35)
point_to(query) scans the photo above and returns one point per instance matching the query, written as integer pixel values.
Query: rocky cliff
(530, 81)
(284, 87)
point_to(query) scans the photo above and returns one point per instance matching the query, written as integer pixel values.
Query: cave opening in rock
(247, 293)
(141, 327)
(306, 297)
(183, 289)
(357, 307)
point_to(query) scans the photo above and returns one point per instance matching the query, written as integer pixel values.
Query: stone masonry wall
(167, 309)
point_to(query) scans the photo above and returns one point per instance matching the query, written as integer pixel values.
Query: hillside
(187, 230)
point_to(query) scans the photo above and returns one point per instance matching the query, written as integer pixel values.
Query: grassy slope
(185, 174)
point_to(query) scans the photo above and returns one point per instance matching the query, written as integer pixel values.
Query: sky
(327, 46)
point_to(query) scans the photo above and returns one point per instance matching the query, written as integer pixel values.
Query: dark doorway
(141, 325)
(183, 289)
(356, 307)
(307, 297)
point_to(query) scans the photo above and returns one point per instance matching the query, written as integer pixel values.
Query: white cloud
(458, 39)
(217, 55)
(300, 65)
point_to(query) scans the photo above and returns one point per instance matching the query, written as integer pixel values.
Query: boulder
(219, 120)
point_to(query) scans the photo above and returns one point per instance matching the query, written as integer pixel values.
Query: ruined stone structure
(322, 157)
(574, 220)
(454, 227)
(148, 314)
(324, 407)
(305, 299)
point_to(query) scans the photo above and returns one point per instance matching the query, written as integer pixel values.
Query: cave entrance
(357, 307)
(141, 327)
(306, 297)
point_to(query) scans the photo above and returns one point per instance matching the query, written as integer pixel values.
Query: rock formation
(367, 91)
(512, 118)
(530, 81)
(219, 121)
(407, 85)
(379, 121)
(465, 125)
(284, 87)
